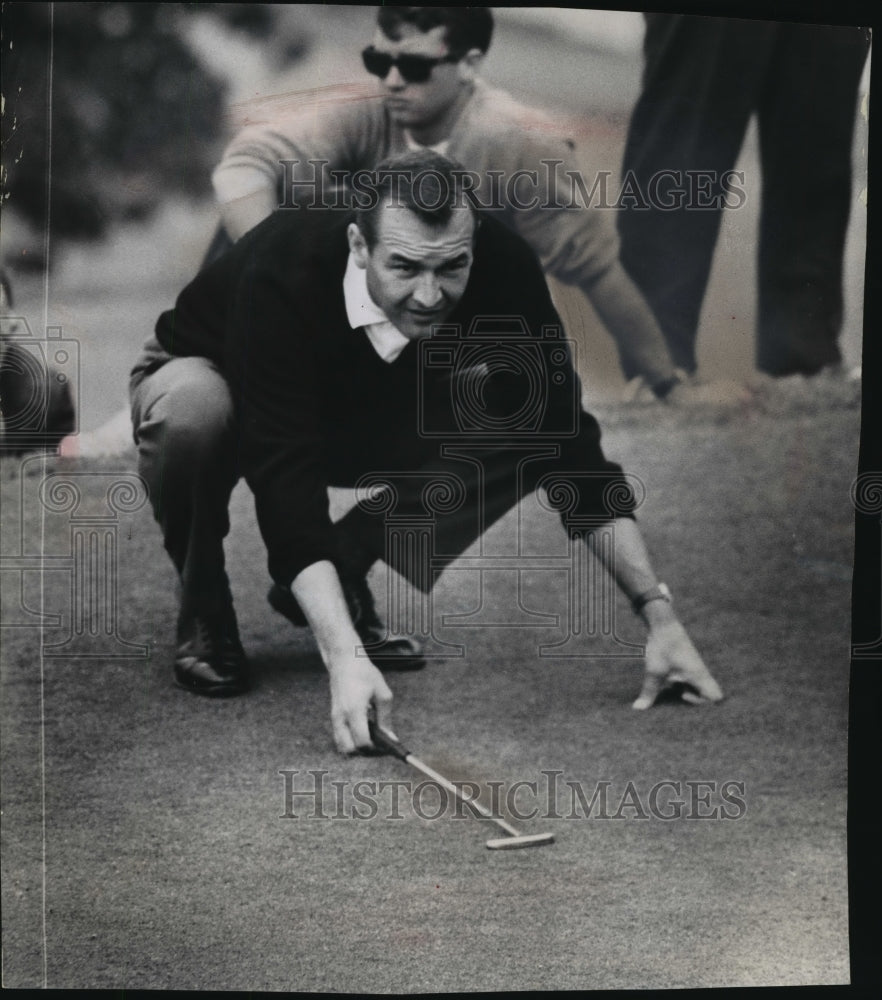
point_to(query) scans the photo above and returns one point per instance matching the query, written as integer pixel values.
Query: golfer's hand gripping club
(386, 741)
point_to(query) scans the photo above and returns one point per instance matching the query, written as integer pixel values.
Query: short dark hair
(424, 182)
(467, 27)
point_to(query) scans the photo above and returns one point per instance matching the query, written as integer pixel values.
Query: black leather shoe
(210, 659)
(399, 652)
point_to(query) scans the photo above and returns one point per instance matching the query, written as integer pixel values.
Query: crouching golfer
(294, 361)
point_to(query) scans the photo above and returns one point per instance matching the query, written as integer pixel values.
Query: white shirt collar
(361, 310)
(439, 147)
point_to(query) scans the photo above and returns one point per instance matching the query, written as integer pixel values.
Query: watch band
(660, 592)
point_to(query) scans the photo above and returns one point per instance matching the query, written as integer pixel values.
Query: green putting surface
(146, 842)
(147, 838)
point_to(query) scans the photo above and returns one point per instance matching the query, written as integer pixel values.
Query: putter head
(513, 843)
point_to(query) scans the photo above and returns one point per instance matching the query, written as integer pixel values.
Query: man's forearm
(357, 686)
(318, 591)
(631, 323)
(630, 567)
(671, 659)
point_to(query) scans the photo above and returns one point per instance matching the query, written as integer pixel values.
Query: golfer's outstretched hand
(673, 661)
(357, 689)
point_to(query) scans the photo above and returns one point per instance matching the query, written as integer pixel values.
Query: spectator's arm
(578, 244)
(244, 212)
(341, 131)
(629, 319)
(633, 325)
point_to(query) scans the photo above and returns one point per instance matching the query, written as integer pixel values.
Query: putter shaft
(483, 810)
(515, 838)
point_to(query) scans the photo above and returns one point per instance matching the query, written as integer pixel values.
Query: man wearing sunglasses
(426, 61)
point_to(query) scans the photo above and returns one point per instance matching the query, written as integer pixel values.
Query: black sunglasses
(413, 69)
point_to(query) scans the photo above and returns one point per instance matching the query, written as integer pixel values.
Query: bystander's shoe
(210, 659)
(721, 393)
(389, 652)
(689, 391)
(637, 391)
(835, 386)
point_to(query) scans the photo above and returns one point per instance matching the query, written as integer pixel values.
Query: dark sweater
(316, 404)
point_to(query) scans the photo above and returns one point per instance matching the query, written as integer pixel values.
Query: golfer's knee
(198, 424)
(192, 422)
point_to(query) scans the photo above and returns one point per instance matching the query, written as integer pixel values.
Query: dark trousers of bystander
(704, 78)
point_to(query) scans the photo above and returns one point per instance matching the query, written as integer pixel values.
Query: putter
(386, 742)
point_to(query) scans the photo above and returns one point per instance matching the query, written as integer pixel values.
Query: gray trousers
(182, 416)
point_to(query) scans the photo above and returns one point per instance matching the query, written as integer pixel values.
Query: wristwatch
(660, 592)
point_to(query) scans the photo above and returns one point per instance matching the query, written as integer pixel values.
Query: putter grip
(383, 740)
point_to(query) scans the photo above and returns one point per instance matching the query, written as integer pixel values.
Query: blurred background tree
(134, 114)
